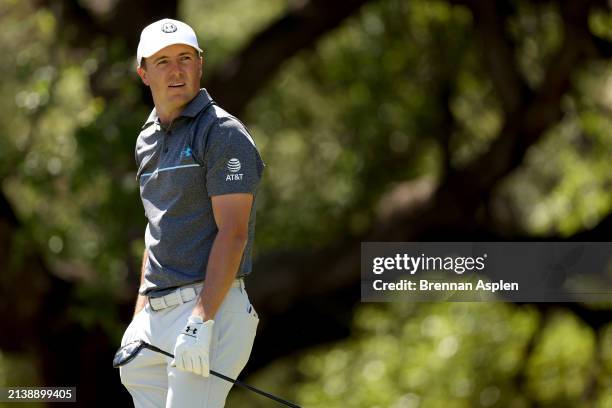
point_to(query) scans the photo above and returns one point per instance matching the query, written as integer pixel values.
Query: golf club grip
(237, 382)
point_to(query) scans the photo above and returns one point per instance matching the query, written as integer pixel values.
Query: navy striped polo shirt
(205, 152)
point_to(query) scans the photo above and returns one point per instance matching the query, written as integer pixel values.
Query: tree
(417, 142)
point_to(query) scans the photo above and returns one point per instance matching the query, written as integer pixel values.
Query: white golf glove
(192, 347)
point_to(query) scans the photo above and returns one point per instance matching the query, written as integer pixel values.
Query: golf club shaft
(237, 382)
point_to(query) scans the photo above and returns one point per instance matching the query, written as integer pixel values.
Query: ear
(201, 66)
(142, 73)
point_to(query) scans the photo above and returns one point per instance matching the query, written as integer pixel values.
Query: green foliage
(604, 378)
(373, 104)
(561, 366)
(403, 355)
(224, 27)
(563, 185)
(343, 123)
(369, 107)
(537, 30)
(17, 369)
(451, 355)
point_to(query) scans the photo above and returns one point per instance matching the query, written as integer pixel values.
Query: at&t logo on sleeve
(234, 166)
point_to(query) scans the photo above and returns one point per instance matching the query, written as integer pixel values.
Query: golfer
(198, 172)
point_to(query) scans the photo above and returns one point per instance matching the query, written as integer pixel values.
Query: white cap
(163, 33)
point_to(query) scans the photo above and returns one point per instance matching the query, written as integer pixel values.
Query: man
(198, 171)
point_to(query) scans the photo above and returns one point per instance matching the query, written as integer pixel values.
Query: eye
(186, 58)
(162, 62)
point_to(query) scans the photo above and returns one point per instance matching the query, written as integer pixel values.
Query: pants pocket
(235, 328)
(236, 335)
(131, 332)
(128, 335)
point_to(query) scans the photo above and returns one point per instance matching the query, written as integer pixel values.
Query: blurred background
(379, 120)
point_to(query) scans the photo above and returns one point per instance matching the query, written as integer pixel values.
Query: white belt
(182, 295)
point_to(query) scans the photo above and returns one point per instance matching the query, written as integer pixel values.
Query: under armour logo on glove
(193, 347)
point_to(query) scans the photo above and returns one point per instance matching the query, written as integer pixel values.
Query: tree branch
(463, 191)
(602, 46)
(498, 52)
(82, 27)
(448, 212)
(240, 78)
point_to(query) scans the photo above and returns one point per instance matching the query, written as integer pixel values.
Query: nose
(175, 67)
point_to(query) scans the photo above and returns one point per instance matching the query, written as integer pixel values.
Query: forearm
(141, 301)
(223, 264)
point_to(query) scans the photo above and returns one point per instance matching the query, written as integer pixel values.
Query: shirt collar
(201, 101)
(195, 106)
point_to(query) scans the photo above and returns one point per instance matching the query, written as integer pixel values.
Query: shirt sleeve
(233, 164)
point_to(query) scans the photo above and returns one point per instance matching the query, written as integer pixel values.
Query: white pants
(154, 384)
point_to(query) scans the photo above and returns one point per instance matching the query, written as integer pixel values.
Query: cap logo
(168, 28)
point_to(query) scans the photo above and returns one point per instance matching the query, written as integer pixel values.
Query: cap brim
(155, 50)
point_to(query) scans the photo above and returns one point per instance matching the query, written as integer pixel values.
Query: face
(173, 74)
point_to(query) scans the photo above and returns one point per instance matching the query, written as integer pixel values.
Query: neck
(166, 118)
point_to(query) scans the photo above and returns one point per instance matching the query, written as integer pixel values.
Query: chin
(181, 97)
(183, 93)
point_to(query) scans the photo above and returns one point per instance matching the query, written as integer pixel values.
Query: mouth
(176, 85)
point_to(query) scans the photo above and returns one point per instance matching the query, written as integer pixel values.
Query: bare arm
(231, 212)
(141, 301)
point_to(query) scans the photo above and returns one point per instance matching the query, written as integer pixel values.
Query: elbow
(237, 236)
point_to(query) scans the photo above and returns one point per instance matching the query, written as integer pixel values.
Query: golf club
(128, 352)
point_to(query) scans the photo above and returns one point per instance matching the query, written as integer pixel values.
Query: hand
(191, 352)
